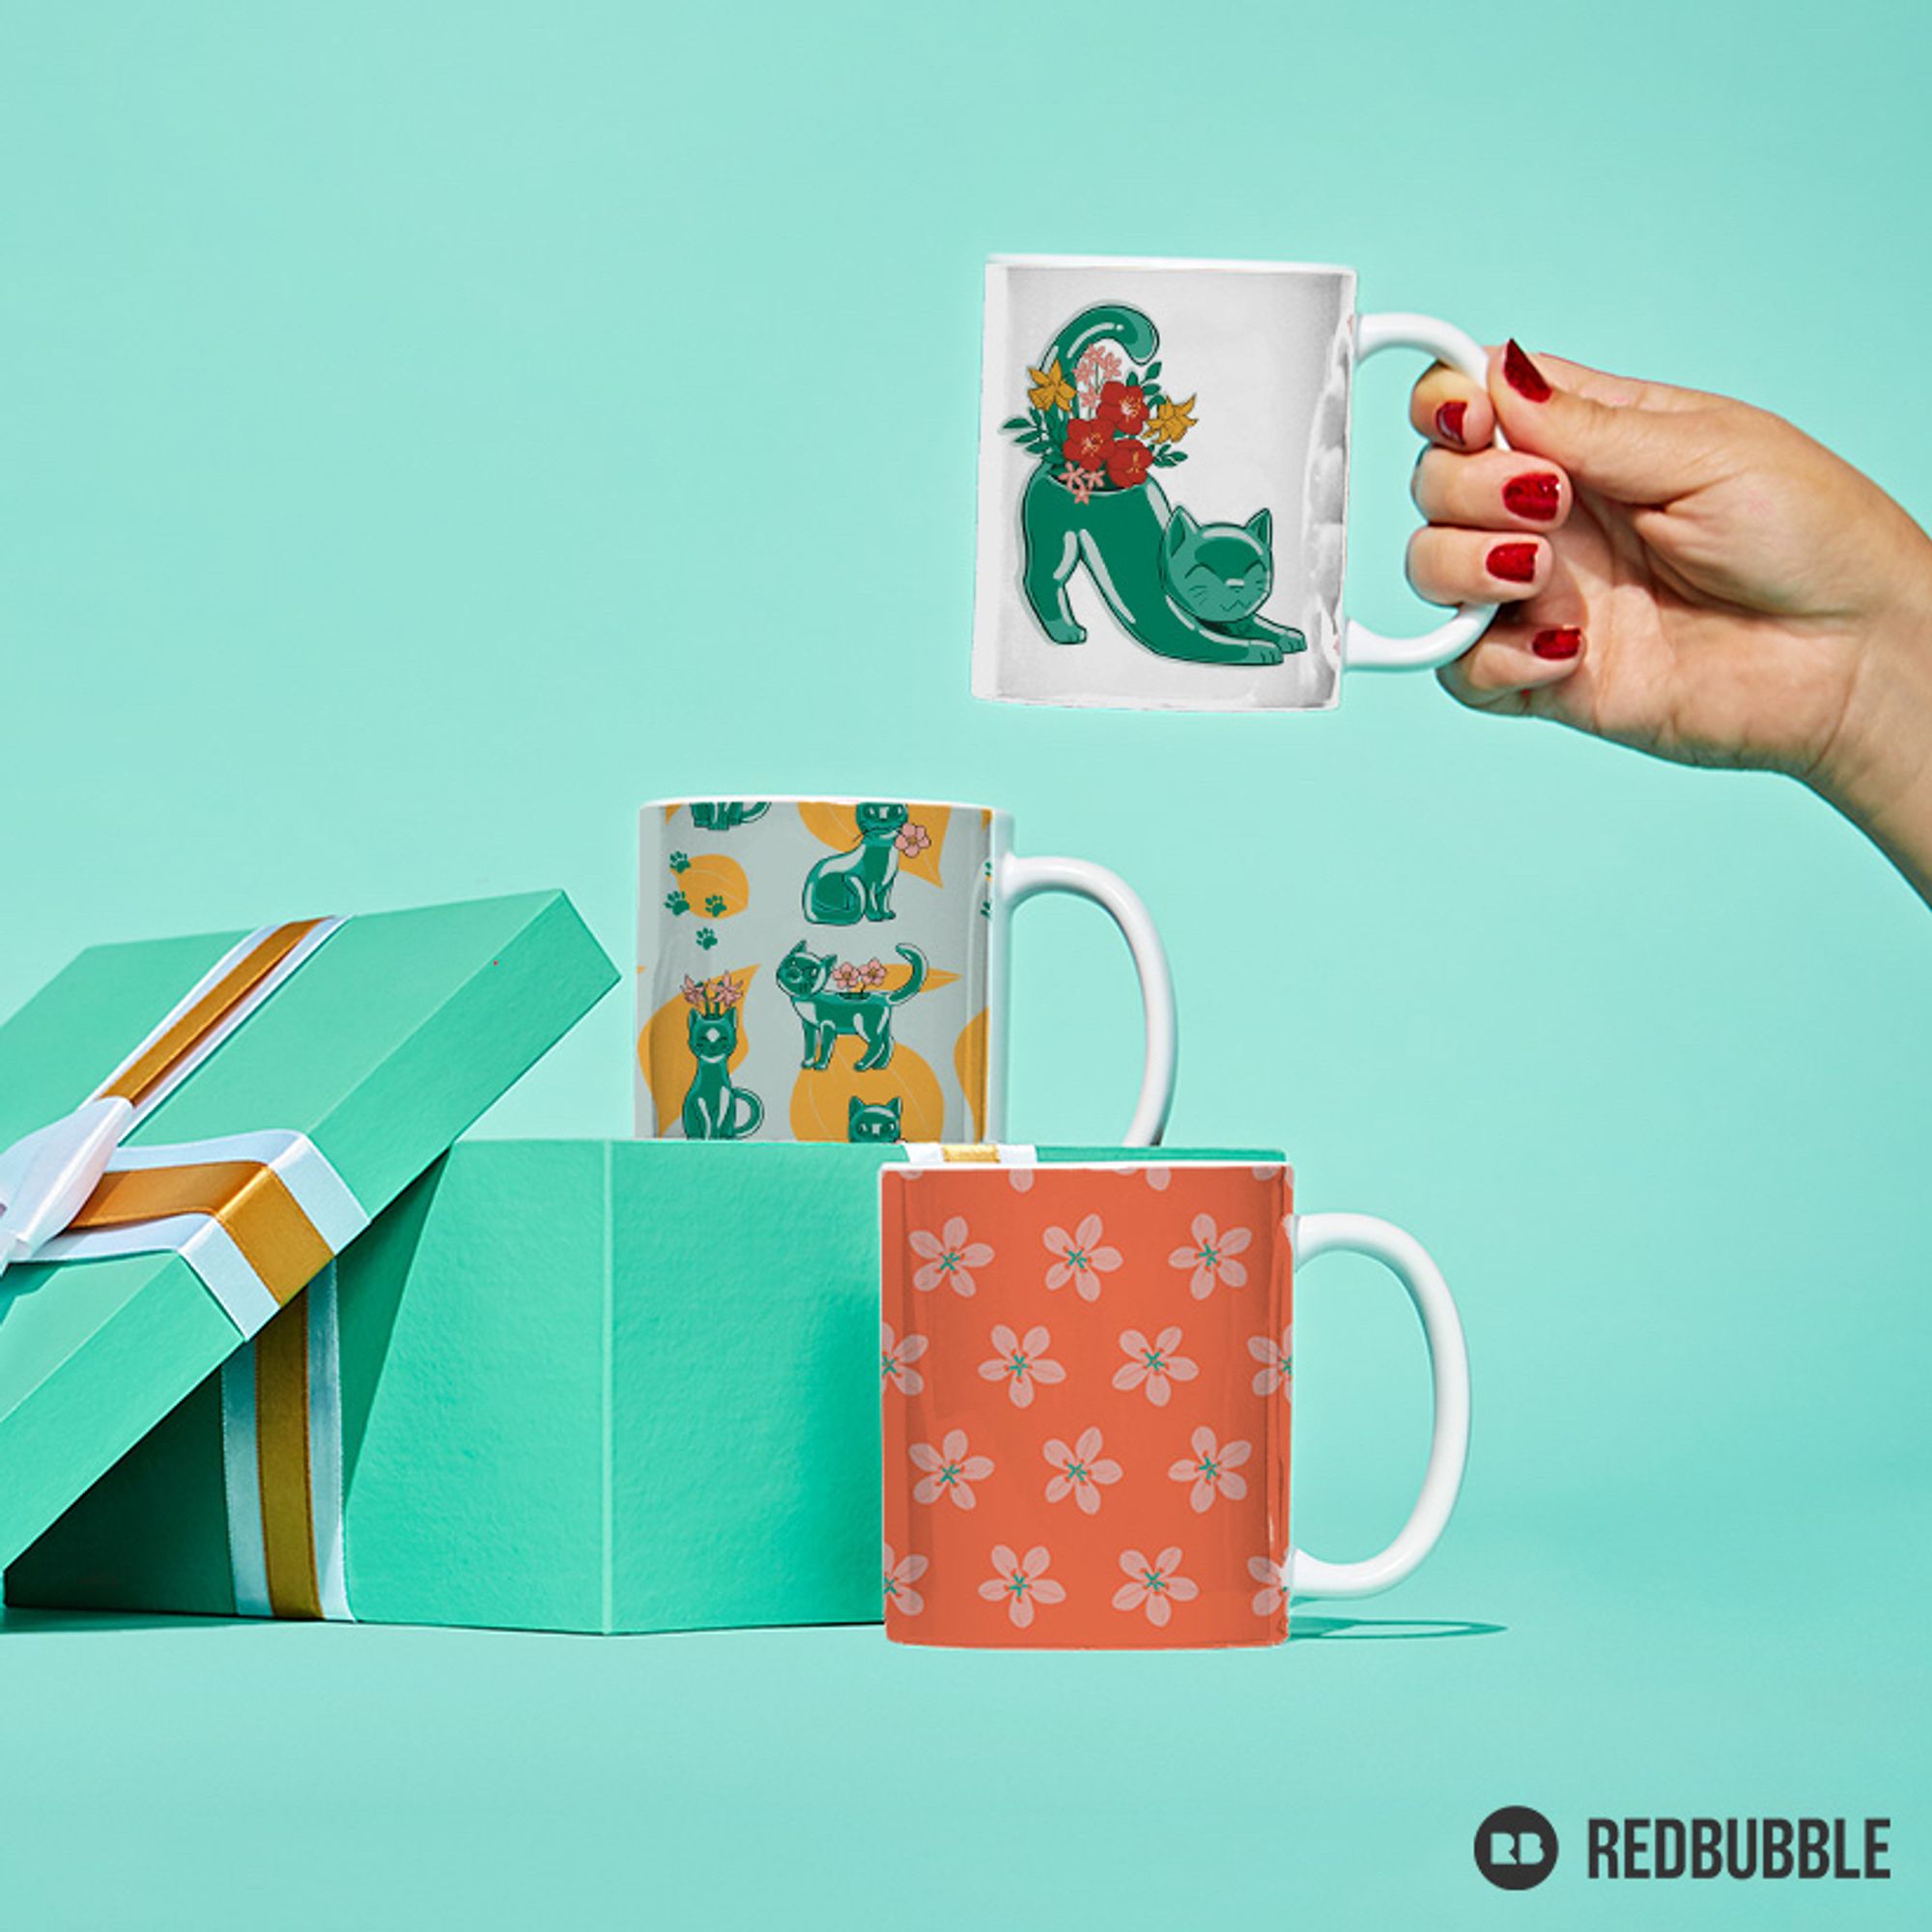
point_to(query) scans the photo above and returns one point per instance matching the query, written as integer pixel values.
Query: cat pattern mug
(836, 969)
(1088, 1378)
(1164, 483)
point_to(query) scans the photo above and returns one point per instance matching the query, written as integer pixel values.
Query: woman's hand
(1687, 575)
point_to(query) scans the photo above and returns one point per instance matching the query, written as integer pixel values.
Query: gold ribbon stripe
(282, 1464)
(250, 1201)
(158, 1061)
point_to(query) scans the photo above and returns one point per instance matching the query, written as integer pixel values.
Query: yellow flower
(1051, 389)
(1171, 422)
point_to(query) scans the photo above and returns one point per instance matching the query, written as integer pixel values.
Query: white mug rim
(1178, 264)
(815, 798)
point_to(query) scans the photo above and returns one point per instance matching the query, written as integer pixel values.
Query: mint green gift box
(585, 1386)
(380, 1050)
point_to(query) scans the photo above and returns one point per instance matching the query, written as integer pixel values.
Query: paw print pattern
(676, 904)
(680, 862)
(715, 904)
(706, 938)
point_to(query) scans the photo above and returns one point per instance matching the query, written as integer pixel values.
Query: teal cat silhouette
(855, 885)
(712, 1101)
(1121, 537)
(873, 1121)
(1221, 574)
(723, 814)
(806, 978)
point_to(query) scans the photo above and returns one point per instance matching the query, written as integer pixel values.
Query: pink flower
(694, 993)
(897, 1360)
(1158, 1584)
(1270, 1575)
(949, 1255)
(728, 992)
(913, 839)
(847, 979)
(1080, 1472)
(1019, 1363)
(1213, 1471)
(872, 972)
(947, 1470)
(1023, 1581)
(1080, 1259)
(1153, 1364)
(1094, 371)
(900, 1576)
(1211, 1257)
(1277, 1363)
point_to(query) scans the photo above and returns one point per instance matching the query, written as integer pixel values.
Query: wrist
(1877, 768)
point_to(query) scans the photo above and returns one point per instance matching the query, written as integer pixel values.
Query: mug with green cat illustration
(1164, 482)
(836, 969)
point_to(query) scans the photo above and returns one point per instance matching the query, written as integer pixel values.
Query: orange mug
(1087, 1384)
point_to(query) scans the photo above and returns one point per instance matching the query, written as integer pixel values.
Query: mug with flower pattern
(836, 970)
(1088, 1378)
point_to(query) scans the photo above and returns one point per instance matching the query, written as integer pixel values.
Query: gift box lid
(369, 1048)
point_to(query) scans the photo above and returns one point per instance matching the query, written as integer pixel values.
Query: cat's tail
(918, 978)
(755, 1117)
(1107, 321)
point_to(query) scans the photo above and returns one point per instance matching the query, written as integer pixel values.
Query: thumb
(1622, 438)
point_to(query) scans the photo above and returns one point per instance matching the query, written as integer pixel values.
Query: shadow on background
(1385, 1630)
(19, 1622)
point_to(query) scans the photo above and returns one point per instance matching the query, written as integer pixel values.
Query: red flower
(1085, 444)
(1128, 463)
(1124, 408)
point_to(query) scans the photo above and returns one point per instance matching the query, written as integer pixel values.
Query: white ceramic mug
(1164, 484)
(837, 969)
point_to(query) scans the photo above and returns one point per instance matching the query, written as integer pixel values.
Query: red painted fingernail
(1513, 562)
(1523, 376)
(1534, 494)
(1449, 422)
(1564, 642)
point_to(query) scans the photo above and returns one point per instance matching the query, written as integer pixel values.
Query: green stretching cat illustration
(873, 1121)
(1195, 594)
(724, 815)
(825, 1014)
(855, 885)
(712, 1101)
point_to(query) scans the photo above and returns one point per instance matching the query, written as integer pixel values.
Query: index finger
(1452, 411)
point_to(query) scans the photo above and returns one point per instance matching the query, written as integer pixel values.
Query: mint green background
(477, 420)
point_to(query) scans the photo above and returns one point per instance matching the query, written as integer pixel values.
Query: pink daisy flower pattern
(900, 1576)
(913, 839)
(1268, 1599)
(1080, 1258)
(1020, 1361)
(1153, 1366)
(948, 1256)
(1022, 1582)
(949, 1471)
(1277, 1363)
(896, 1358)
(1211, 1259)
(1158, 1586)
(1214, 1469)
(1080, 1472)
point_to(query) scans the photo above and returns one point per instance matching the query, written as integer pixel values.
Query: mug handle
(1364, 649)
(1408, 1260)
(1021, 878)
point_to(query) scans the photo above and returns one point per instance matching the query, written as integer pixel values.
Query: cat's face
(872, 1120)
(801, 972)
(714, 1037)
(1218, 572)
(878, 823)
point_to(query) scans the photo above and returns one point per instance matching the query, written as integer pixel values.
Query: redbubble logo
(1516, 1848)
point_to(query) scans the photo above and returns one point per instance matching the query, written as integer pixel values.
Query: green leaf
(1151, 371)
(1014, 422)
